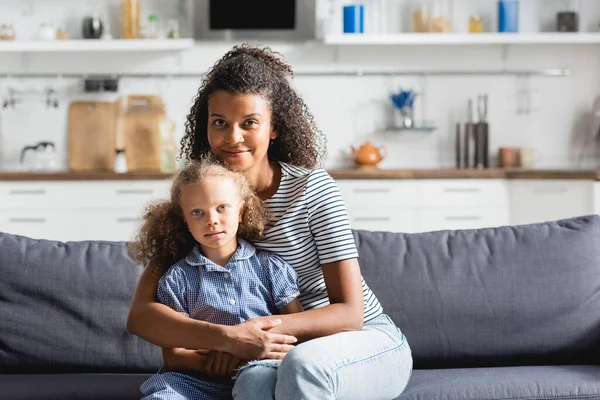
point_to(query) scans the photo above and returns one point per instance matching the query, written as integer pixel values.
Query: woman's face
(239, 129)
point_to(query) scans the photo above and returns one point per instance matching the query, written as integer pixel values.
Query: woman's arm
(346, 309)
(164, 327)
(180, 359)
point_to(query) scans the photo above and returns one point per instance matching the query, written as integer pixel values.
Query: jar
(475, 24)
(440, 17)
(173, 29)
(62, 33)
(420, 20)
(152, 32)
(7, 32)
(120, 161)
(46, 31)
(130, 19)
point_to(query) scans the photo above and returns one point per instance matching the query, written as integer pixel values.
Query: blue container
(354, 19)
(508, 16)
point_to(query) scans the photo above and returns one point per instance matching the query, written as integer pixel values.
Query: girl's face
(212, 210)
(239, 129)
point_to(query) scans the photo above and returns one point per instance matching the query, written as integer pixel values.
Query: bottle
(130, 19)
(152, 27)
(475, 24)
(508, 16)
(168, 159)
(120, 161)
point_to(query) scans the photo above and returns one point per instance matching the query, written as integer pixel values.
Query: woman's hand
(252, 340)
(222, 364)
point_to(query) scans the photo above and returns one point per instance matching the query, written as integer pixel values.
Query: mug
(528, 156)
(508, 157)
(354, 18)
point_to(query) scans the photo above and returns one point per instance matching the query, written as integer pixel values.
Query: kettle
(40, 157)
(368, 155)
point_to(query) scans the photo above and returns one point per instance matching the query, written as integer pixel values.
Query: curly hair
(254, 69)
(164, 235)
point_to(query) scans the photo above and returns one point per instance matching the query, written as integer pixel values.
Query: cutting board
(138, 131)
(91, 135)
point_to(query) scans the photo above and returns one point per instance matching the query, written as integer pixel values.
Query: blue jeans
(375, 363)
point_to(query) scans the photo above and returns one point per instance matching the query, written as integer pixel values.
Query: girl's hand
(252, 340)
(222, 364)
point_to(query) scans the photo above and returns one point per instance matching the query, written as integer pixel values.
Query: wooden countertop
(359, 173)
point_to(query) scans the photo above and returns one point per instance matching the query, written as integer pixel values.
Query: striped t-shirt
(309, 227)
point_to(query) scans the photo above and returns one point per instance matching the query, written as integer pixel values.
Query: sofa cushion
(520, 295)
(63, 307)
(508, 383)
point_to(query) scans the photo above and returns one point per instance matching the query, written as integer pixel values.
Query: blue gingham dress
(252, 284)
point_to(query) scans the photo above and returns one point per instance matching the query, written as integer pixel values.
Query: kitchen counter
(358, 173)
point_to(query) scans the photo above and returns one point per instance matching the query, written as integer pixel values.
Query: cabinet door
(534, 201)
(32, 195)
(384, 219)
(51, 225)
(117, 225)
(460, 193)
(364, 193)
(462, 218)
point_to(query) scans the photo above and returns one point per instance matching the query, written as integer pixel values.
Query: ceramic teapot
(368, 154)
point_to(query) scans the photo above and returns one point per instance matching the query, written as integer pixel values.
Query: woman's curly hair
(255, 69)
(164, 235)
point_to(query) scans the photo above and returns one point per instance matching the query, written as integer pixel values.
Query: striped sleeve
(328, 219)
(172, 290)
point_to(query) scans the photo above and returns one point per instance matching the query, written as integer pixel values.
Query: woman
(247, 114)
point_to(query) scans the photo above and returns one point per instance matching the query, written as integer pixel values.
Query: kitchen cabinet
(534, 201)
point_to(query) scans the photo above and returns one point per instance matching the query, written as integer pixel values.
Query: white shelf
(112, 45)
(462, 38)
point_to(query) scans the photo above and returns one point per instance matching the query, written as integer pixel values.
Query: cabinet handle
(374, 190)
(28, 220)
(27, 191)
(462, 218)
(372, 219)
(462, 190)
(127, 220)
(135, 191)
(550, 190)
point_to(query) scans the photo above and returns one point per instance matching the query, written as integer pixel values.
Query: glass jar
(475, 24)
(7, 32)
(420, 20)
(152, 31)
(173, 29)
(440, 17)
(130, 19)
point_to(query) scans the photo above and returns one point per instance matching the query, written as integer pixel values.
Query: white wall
(347, 109)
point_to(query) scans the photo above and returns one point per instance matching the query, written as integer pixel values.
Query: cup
(508, 157)
(528, 157)
(354, 18)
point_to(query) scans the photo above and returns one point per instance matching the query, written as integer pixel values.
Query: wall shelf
(462, 39)
(82, 46)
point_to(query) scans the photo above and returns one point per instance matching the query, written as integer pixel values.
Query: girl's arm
(181, 360)
(164, 327)
(292, 307)
(344, 313)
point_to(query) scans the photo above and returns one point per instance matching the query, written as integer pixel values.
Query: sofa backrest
(63, 308)
(520, 295)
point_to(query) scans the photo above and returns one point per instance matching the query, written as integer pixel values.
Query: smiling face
(239, 129)
(212, 211)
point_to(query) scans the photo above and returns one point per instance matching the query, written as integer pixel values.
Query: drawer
(388, 220)
(462, 218)
(463, 193)
(362, 193)
(119, 225)
(33, 195)
(122, 194)
(55, 225)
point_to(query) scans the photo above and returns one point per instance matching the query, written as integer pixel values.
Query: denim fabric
(374, 363)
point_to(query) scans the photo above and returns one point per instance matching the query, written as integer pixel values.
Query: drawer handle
(25, 191)
(551, 190)
(28, 220)
(135, 191)
(372, 219)
(462, 190)
(462, 218)
(375, 190)
(127, 220)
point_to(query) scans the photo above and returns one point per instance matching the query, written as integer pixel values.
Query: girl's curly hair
(255, 69)
(164, 236)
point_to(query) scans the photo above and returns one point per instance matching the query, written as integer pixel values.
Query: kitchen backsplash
(348, 110)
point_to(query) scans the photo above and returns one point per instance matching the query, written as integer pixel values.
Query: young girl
(216, 276)
(248, 115)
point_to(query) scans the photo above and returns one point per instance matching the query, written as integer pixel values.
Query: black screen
(252, 14)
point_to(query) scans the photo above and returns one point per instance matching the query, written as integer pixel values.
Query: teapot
(40, 157)
(368, 154)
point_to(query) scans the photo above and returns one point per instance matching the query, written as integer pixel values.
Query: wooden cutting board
(91, 135)
(138, 131)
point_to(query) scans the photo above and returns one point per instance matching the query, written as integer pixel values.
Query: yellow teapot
(368, 154)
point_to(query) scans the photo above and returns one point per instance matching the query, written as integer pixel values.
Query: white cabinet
(72, 210)
(534, 201)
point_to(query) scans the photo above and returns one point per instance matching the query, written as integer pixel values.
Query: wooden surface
(91, 136)
(336, 174)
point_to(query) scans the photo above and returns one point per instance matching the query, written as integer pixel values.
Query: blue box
(354, 18)
(508, 16)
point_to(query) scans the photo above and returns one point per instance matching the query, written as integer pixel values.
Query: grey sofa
(505, 313)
